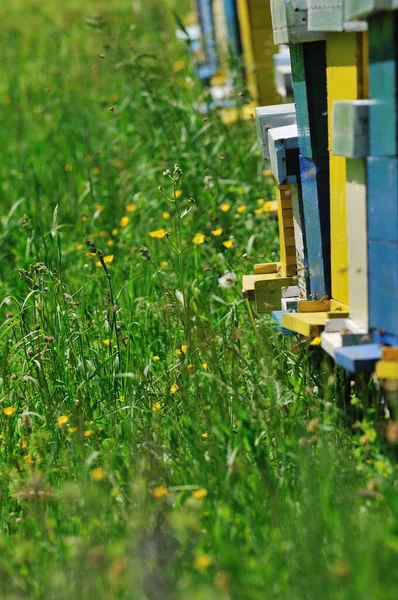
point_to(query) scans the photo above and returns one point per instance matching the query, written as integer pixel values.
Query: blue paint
(383, 123)
(277, 316)
(383, 285)
(316, 210)
(209, 68)
(231, 17)
(382, 186)
(309, 89)
(358, 359)
(382, 337)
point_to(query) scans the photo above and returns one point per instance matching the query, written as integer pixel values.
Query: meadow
(158, 439)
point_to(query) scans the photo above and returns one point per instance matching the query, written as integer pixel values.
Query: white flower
(227, 280)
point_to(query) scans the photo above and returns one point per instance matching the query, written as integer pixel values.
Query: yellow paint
(386, 369)
(285, 222)
(258, 49)
(308, 324)
(264, 268)
(310, 306)
(338, 306)
(342, 84)
(273, 281)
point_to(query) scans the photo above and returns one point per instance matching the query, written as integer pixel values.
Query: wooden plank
(289, 22)
(254, 42)
(310, 306)
(351, 128)
(383, 285)
(390, 354)
(284, 153)
(299, 238)
(382, 174)
(355, 9)
(309, 85)
(342, 80)
(268, 117)
(325, 15)
(386, 370)
(383, 122)
(307, 324)
(277, 316)
(263, 268)
(231, 18)
(357, 241)
(315, 195)
(267, 299)
(358, 359)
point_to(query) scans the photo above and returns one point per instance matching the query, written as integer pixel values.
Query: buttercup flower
(62, 420)
(158, 233)
(217, 232)
(199, 238)
(225, 207)
(228, 243)
(9, 411)
(174, 388)
(124, 221)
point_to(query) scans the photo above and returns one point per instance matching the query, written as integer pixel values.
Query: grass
(155, 441)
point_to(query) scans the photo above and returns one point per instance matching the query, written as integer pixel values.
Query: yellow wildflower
(99, 207)
(110, 242)
(158, 233)
(115, 231)
(203, 561)
(157, 406)
(68, 168)
(199, 238)
(217, 232)
(258, 211)
(174, 388)
(190, 367)
(165, 215)
(316, 341)
(88, 433)
(177, 193)
(204, 366)
(28, 459)
(267, 173)
(205, 436)
(116, 162)
(89, 158)
(97, 474)
(200, 494)
(267, 207)
(102, 233)
(261, 201)
(228, 243)
(107, 260)
(121, 399)
(155, 358)
(79, 246)
(9, 411)
(225, 207)
(132, 207)
(84, 218)
(159, 492)
(107, 342)
(62, 420)
(163, 264)
(179, 65)
(24, 444)
(96, 171)
(72, 429)
(184, 348)
(124, 221)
